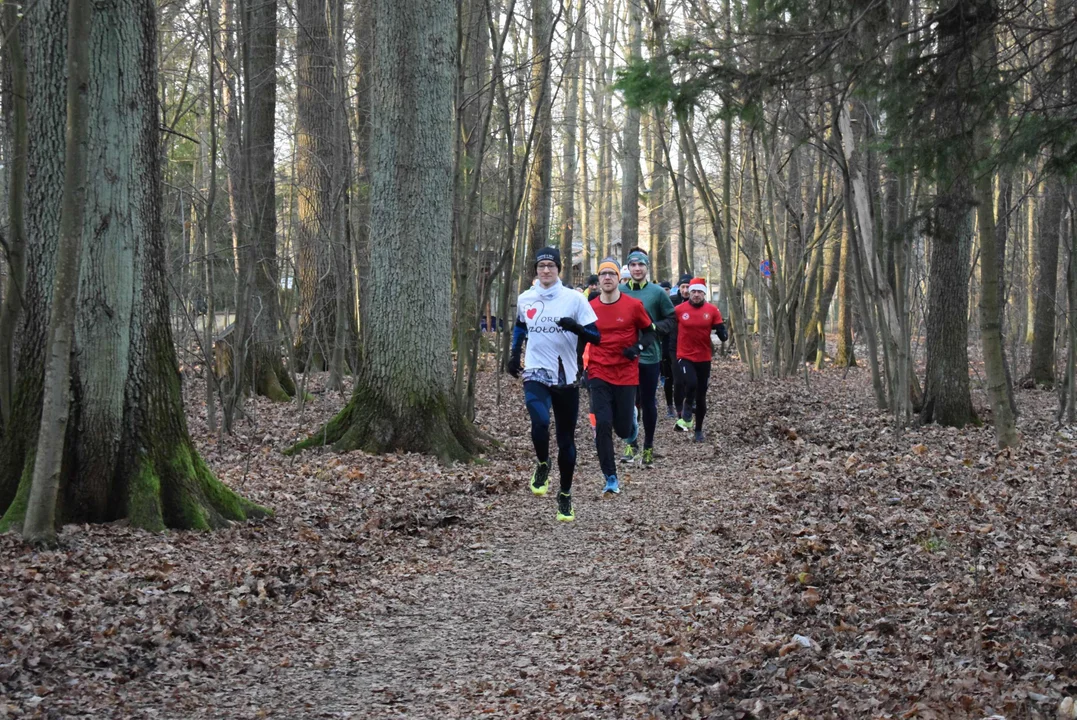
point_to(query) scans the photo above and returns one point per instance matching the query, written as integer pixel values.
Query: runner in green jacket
(658, 305)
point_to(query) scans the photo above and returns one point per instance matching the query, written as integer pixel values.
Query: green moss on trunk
(430, 426)
(16, 511)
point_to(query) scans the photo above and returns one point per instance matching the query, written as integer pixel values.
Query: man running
(658, 306)
(696, 319)
(613, 369)
(553, 318)
(675, 395)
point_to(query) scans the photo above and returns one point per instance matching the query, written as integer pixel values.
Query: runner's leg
(688, 378)
(537, 397)
(648, 391)
(624, 410)
(703, 375)
(566, 408)
(602, 407)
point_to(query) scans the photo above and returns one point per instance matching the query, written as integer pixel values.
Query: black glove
(632, 351)
(567, 323)
(514, 366)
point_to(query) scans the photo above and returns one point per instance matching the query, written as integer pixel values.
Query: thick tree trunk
(16, 237)
(947, 399)
(127, 450)
(267, 371)
(315, 150)
(40, 523)
(403, 393)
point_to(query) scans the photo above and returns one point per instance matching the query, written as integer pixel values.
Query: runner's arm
(668, 316)
(720, 331)
(519, 334)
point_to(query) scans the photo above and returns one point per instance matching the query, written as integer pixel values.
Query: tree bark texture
(630, 146)
(542, 168)
(315, 127)
(127, 450)
(947, 399)
(1042, 369)
(403, 393)
(268, 373)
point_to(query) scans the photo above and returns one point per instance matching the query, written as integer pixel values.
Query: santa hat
(624, 272)
(698, 284)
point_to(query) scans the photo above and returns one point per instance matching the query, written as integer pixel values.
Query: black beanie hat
(665, 284)
(592, 279)
(686, 279)
(549, 253)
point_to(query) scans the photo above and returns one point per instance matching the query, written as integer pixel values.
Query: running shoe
(540, 479)
(681, 426)
(612, 486)
(700, 437)
(648, 457)
(629, 454)
(565, 511)
(670, 412)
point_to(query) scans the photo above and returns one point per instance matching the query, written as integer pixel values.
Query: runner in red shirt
(613, 366)
(695, 321)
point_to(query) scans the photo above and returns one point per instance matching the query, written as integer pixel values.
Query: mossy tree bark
(403, 393)
(127, 452)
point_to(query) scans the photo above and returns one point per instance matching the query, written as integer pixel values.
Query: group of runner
(618, 338)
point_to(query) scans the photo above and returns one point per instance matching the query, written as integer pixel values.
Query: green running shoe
(565, 511)
(629, 454)
(648, 457)
(682, 426)
(540, 479)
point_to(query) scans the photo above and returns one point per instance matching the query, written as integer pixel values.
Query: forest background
(259, 192)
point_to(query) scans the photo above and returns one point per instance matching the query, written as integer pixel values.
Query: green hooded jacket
(656, 302)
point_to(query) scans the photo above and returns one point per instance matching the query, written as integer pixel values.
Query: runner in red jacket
(696, 319)
(613, 366)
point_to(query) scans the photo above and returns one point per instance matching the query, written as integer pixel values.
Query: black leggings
(696, 376)
(565, 402)
(614, 407)
(667, 375)
(647, 397)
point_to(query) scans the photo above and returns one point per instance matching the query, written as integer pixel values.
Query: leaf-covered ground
(806, 562)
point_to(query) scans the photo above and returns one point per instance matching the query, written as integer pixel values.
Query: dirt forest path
(806, 562)
(534, 613)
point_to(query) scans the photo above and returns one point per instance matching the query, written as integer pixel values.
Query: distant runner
(696, 319)
(553, 318)
(613, 369)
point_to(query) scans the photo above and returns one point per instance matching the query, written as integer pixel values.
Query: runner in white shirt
(554, 319)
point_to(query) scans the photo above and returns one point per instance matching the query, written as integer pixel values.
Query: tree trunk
(364, 48)
(315, 158)
(1042, 369)
(947, 399)
(630, 146)
(126, 451)
(572, 109)
(268, 373)
(16, 281)
(40, 524)
(542, 116)
(403, 392)
(845, 355)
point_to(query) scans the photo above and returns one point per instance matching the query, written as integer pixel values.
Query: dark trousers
(648, 398)
(565, 402)
(614, 407)
(696, 377)
(667, 375)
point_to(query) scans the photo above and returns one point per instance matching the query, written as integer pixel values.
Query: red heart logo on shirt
(531, 313)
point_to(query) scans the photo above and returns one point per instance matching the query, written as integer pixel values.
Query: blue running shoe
(612, 486)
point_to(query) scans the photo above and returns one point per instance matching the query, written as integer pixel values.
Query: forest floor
(806, 562)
